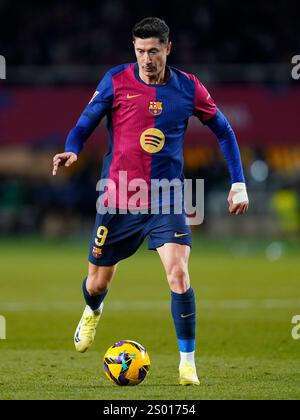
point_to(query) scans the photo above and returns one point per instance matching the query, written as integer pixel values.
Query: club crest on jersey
(97, 252)
(155, 108)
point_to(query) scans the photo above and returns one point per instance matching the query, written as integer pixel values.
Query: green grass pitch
(245, 306)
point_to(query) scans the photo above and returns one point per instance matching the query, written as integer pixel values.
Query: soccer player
(147, 105)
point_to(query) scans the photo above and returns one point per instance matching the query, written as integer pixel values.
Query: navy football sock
(93, 302)
(183, 309)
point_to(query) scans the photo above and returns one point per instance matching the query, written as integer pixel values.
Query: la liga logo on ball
(126, 363)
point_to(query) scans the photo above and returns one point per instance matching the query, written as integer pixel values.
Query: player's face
(151, 56)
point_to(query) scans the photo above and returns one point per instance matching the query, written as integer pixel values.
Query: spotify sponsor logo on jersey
(152, 140)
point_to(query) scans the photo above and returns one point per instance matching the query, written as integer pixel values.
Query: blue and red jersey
(146, 123)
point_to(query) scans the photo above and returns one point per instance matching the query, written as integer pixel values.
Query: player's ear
(169, 47)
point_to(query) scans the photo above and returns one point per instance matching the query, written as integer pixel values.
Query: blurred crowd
(65, 206)
(99, 32)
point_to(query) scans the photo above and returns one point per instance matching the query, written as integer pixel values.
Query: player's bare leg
(95, 288)
(175, 259)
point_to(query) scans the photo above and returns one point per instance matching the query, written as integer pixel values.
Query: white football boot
(86, 330)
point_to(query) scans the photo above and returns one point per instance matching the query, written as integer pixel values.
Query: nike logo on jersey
(186, 315)
(179, 235)
(132, 96)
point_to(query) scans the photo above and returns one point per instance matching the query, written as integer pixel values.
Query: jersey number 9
(101, 236)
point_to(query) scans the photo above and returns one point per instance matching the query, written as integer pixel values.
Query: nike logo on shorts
(179, 235)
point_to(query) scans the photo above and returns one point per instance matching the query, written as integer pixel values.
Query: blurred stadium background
(55, 57)
(56, 53)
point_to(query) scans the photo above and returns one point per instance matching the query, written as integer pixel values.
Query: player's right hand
(66, 159)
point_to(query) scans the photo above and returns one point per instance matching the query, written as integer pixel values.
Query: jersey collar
(138, 78)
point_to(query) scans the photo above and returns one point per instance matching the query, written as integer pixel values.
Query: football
(126, 363)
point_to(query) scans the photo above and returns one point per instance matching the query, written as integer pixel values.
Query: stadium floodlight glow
(259, 170)
(296, 68)
(2, 328)
(2, 67)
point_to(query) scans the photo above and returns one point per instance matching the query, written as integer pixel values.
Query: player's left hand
(238, 199)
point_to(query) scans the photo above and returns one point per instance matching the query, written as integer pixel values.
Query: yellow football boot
(188, 375)
(86, 329)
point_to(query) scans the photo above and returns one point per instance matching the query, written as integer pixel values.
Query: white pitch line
(229, 304)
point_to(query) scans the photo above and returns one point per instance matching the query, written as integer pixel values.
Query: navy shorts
(118, 236)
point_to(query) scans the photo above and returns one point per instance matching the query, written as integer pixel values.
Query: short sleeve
(204, 105)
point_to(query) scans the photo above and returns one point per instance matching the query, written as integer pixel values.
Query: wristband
(240, 189)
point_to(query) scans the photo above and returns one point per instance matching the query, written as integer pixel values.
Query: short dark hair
(151, 27)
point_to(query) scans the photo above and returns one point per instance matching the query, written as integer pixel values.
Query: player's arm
(206, 110)
(99, 105)
(238, 198)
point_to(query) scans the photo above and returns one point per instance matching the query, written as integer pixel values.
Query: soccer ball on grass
(126, 363)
